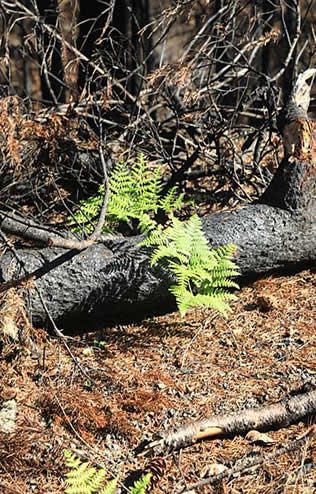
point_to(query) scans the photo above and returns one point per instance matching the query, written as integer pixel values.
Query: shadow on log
(111, 281)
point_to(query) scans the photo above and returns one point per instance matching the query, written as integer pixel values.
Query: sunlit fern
(84, 479)
(135, 195)
(141, 485)
(203, 276)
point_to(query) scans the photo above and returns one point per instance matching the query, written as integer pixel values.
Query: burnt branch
(281, 414)
(251, 463)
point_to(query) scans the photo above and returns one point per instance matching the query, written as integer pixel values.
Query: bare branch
(281, 414)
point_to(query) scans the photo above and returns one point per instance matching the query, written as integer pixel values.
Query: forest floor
(102, 393)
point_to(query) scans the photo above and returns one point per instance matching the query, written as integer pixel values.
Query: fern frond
(120, 180)
(215, 301)
(141, 485)
(200, 251)
(167, 251)
(184, 298)
(183, 273)
(155, 237)
(146, 223)
(222, 278)
(225, 253)
(84, 479)
(146, 185)
(110, 487)
(175, 236)
(202, 274)
(172, 201)
(79, 479)
(97, 480)
(134, 193)
(72, 461)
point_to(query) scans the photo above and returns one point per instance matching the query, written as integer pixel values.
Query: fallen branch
(250, 463)
(29, 230)
(281, 414)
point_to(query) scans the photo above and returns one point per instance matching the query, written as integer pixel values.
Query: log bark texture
(112, 281)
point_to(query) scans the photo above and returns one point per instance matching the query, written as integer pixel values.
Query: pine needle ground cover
(162, 373)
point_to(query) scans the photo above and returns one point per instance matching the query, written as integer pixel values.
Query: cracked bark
(112, 280)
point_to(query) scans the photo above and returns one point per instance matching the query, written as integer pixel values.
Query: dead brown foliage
(46, 136)
(39, 154)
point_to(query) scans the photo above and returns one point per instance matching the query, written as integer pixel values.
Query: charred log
(112, 280)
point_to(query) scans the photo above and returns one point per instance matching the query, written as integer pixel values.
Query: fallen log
(112, 280)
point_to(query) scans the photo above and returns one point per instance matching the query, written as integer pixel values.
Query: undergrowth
(135, 196)
(203, 275)
(84, 479)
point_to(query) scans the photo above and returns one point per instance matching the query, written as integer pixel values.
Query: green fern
(203, 276)
(141, 484)
(84, 479)
(135, 194)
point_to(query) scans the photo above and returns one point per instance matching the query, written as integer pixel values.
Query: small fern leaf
(71, 459)
(214, 302)
(83, 471)
(178, 236)
(155, 237)
(182, 273)
(184, 298)
(168, 251)
(141, 485)
(224, 282)
(199, 245)
(172, 201)
(79, 480)
(110, 487)
(146, 223)
(97, 480)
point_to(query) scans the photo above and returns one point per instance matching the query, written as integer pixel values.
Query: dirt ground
(101, 394)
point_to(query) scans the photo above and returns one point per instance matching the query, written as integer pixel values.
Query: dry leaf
(259, 437)
(212, 469)
(266, 302)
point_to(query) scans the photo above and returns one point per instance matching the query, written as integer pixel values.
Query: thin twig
(292, 45)
(62, 337)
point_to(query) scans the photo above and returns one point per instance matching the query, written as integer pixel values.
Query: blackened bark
(113, 281)
(293, 188)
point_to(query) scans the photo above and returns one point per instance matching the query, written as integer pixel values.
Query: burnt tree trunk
(112, 280)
